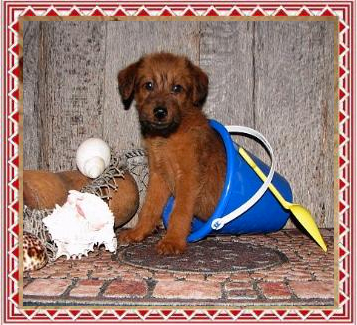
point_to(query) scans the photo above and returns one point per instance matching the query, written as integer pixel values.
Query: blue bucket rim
(225, 195)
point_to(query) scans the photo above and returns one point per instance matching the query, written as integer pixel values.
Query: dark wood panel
(71, 89)
(276, 77)
(294, 104)
(31, 46)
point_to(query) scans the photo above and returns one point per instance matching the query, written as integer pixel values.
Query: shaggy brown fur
(186, 157)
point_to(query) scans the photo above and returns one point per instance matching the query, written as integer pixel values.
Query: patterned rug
(211, 256)
(281, 269)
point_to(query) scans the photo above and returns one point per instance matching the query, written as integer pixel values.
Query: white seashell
(93, 167)
(83, 221)
(92, 157)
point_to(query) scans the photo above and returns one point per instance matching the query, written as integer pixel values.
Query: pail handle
(218, 223)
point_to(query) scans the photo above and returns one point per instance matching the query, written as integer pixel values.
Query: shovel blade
(308, 222)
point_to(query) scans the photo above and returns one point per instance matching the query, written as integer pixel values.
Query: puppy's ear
(126, 81)
(200, 85)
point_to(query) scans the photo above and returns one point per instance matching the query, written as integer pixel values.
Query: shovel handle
(261, 175)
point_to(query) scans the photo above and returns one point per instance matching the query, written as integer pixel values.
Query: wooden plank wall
(276, 77)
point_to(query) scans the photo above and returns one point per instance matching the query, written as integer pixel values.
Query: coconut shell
(74, 179)
(124, 200)
(43, 189)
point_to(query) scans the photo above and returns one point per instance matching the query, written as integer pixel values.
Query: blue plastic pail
(241, 183)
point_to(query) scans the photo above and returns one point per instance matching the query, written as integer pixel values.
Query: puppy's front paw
(170, 247)
(130, 236)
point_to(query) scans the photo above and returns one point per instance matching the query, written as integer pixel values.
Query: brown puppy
(186, 157)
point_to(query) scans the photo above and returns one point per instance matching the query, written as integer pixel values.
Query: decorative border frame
(11, 163)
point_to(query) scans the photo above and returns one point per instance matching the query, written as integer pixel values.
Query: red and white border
(12, 10)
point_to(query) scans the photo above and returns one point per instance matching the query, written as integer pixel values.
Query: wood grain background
(277, 77)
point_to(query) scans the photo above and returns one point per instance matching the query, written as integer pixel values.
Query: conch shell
(92, 157)
(82, 222)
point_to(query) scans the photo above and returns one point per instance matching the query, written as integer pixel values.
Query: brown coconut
(43, 190)
(124, 200)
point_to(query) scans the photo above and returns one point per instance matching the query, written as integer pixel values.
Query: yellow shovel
(301, 213)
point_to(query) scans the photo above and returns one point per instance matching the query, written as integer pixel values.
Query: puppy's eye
(177, 89)
(149, 85)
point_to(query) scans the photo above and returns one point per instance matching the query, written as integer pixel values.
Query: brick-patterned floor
(102, 279)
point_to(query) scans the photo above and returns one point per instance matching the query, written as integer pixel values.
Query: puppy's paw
(130, 236)
(170, 247)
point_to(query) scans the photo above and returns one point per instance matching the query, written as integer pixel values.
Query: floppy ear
(200, 85)
(126, 81)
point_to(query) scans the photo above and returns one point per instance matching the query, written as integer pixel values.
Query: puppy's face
(165, 87)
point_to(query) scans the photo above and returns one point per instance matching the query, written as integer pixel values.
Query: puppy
(186, 157)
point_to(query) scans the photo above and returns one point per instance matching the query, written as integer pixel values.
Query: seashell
(92, 157)
(83, 221)
(34, 253)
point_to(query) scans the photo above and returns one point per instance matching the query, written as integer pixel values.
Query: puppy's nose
(160, 112)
